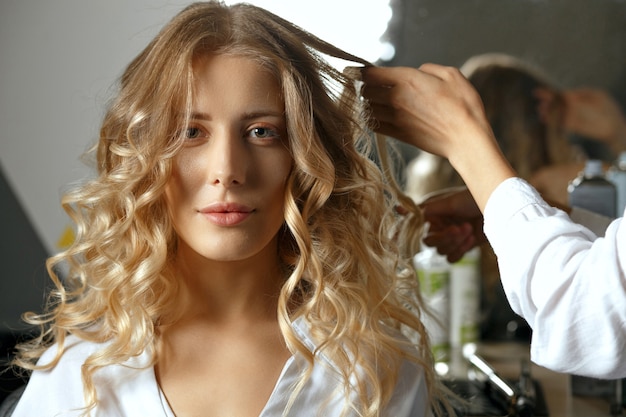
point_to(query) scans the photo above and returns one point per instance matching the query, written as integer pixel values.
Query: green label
(441, 352)
(432, 281)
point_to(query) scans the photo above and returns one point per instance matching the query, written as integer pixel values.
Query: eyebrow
(199, 116)
(244, 116)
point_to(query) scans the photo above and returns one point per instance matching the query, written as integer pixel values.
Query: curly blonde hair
(340, 245)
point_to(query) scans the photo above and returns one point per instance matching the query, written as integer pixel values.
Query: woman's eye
(193, 133)
(263, 133)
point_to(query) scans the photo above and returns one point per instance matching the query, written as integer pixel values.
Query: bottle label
(465, 299)
(434, 285)
(618, 177)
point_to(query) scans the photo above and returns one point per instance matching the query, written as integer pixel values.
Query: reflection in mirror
(576, 42)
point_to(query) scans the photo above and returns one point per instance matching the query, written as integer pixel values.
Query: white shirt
(131, 389)
(567, 283)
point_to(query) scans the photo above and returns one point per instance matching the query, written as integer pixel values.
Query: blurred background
(60, 61)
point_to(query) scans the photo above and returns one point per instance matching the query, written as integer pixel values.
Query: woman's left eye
(263, 133)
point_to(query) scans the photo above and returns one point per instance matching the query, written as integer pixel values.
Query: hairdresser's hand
(588, 112)
(455, 223)
(436, 109)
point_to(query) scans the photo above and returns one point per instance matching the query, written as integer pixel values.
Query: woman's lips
(226, 214)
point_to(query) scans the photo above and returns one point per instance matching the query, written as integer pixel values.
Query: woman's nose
(228, 162)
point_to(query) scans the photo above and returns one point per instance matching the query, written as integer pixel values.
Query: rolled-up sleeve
(565, 281)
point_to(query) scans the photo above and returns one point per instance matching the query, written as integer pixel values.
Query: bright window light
(355, 26)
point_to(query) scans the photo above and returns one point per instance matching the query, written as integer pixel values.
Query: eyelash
(197, 130)
(270, 133)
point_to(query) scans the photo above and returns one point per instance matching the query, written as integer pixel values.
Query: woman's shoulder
(74, 350)
(405, 347)
(61, 388)
(410, 395)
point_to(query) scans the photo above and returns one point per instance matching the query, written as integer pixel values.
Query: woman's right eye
(193, 133)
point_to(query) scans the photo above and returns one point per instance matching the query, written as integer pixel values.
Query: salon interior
(576, 43)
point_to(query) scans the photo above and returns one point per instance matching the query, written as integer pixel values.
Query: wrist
(482, 169)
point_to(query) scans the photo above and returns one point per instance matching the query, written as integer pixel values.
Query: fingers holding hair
(429, 107)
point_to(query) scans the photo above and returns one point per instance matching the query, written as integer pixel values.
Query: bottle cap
(593, 168)
(621, 161)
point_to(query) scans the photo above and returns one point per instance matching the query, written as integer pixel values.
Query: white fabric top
(131, 389)
(565, 281)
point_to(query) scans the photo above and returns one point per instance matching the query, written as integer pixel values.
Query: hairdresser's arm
(567, 284)
(456, 223)
(436, 109)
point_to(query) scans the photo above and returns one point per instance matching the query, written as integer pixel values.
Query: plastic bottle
(591, 190)
(617, 175)
(465, 285)
(433, 273)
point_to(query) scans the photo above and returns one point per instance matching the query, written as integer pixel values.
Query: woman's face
(226, 192)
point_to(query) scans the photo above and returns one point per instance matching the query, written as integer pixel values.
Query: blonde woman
(237, 254)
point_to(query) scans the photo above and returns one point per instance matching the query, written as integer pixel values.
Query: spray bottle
(617, 175)
(592, 191)
(433, 273)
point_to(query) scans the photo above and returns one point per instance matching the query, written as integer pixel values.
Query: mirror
(576, 42)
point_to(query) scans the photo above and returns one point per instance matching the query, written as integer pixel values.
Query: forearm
(482, 166)
(437, 110)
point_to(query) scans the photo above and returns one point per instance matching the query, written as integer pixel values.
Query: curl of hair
(342, 241)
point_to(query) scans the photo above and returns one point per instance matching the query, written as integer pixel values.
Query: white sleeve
(566, 282)
(595, 222)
